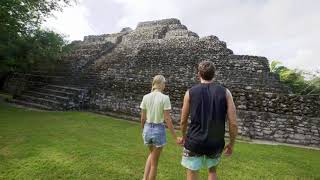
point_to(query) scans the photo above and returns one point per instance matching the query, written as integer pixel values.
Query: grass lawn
(78, 145)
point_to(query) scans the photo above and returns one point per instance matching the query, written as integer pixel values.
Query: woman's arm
(143, 117)
(168, 120)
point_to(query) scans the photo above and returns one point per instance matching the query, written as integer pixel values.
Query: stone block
(299, 136)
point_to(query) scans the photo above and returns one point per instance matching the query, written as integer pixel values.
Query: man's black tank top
(208, 107)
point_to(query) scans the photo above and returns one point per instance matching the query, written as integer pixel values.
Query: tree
(22, 42)
(296, 80)
(19, 17)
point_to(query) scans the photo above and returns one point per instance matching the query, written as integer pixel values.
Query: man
(209, 105)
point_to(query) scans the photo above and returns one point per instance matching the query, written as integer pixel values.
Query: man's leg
(212, 174)
(148, 164)
(155, 154)
(192, 163)
(192, 175)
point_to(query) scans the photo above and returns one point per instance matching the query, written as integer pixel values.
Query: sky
(283, 30)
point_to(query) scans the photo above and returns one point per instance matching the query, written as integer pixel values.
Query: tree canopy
(19, 17)
(22, 41)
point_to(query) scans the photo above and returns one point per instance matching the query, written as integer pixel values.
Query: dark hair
(206, 70)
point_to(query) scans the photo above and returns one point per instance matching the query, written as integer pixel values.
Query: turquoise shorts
(196, 162)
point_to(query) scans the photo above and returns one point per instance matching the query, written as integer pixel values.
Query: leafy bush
(296, 79)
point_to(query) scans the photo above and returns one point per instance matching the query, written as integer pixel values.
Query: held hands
(228, 150)
(180, 141)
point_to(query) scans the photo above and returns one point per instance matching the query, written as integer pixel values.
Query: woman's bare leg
(148, 164)
(192, 175)
(212, 174)
(155, 155)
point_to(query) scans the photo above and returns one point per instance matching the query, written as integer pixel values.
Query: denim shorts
(154, 134)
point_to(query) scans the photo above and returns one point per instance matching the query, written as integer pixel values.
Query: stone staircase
(67, 85)
(53, 97)
(64, 88)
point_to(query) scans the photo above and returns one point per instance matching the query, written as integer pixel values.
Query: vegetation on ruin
(23, 43)
(79, 145)
(301, 82)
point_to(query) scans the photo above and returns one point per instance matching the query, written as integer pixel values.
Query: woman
(155, 109)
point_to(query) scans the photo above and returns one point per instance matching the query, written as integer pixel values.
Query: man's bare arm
(143, 117)
(185, 114)
(231, 113)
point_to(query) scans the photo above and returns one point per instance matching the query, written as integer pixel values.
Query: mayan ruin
(110, 73)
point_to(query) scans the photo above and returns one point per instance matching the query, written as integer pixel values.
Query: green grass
(78, 145)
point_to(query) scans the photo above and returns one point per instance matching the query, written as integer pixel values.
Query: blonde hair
(158, 83)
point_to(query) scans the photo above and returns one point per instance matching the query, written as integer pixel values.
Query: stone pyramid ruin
(110, 73)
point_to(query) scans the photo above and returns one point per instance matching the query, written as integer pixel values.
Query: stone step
(55, 92)
(58, 73)
(47, 96)
(41, 75)
(42, 101)
(71, 80)
(30, 104)
(64, 88)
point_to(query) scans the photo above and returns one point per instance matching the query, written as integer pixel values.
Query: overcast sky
(284, 30)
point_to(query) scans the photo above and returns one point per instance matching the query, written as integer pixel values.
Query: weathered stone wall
(285, 104)
(280, 128)
(269, 116)
(122, 74)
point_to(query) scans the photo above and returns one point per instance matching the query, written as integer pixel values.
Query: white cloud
(72, 22)
(143, 10)
(285, 30)
(247, 47)
(305, 58)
